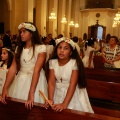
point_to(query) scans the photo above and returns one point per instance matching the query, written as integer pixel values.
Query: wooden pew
(98, 62)
(107, 75)
(104, 90)
(15, 110)
(103, 87)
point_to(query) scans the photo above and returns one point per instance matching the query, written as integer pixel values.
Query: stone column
(41, 6)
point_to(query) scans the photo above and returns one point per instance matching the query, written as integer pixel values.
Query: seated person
(108, 52)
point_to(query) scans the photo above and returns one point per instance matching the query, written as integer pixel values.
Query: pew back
(103, 85)
(15, 110)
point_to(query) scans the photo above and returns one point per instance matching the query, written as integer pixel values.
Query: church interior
(85, 19)
(79, 16)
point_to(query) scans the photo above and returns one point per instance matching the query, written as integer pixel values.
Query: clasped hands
(110, 61)
(55, 107)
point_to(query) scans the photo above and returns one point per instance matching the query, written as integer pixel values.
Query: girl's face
(25, 35)
(64, 51)
(4, 55)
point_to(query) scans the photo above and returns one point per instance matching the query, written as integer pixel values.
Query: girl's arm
(90, 59)
(51, 84)
(10, 76)
(36, 74)
(51, 87)
(70, 92)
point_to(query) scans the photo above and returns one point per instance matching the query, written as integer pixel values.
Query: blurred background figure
(75, 40)
(49, 48)
(59, 36)
(108, 52)
(7, 39)
(1, 45)
(52, 41)
(88, 54)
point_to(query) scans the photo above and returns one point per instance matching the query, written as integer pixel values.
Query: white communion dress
(21, 84)
(3, 73)
(86, 57)
(80, 100)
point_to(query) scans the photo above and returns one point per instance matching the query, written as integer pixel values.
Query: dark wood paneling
(99, 3)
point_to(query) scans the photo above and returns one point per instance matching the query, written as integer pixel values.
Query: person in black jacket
(52, 41)
(7, 40)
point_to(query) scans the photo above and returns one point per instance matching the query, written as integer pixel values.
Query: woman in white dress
(88, 54)
(28, 65)
(67, 82)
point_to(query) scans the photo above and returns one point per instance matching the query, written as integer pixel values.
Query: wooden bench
(15, 110)
(98, 62)
(107, 75)
(103, 87)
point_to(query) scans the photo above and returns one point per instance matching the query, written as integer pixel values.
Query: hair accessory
(28, 26)
(7, 49)
(67, 40)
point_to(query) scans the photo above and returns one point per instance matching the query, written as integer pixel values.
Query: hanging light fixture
(114, 24)
(52, 16)
(76, 25)
(64, 21)
(116, 20)
(71, 23)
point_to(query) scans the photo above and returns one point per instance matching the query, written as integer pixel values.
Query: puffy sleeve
(41, 48)
(16, 49)
(50, 64)
(75, 67)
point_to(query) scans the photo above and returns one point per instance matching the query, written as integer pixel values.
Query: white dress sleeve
(16, 49)
(75, 65)
(41, 48)
(50, 64)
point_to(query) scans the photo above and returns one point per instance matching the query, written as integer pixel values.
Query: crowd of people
(54, 66)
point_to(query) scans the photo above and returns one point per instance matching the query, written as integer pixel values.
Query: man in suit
(52, 41)
(7, 39)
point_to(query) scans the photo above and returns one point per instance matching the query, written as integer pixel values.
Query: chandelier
(116, 20)
(76, 25)
(64, 21)
(52, 16)
(71, 23)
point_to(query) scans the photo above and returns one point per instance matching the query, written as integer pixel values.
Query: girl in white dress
(67, 82)
(5, 63)
(88, 54)
(28, 63)
(49, 48)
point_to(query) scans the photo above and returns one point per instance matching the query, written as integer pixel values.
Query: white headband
(67, 40)
(28, 26)
(7, 49)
